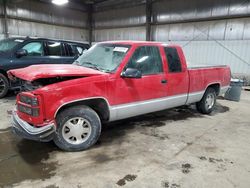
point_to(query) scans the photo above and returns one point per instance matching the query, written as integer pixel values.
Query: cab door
(136, 96)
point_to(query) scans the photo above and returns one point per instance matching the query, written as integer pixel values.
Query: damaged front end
(29, 119)
(37, 76)
(36, 84)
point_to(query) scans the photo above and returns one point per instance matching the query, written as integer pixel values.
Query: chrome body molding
(123, 111)
(195, 97)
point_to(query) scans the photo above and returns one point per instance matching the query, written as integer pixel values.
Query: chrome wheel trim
(209, 102)
(76, 130)
(2, 85)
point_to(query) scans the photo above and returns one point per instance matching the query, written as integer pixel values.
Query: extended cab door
(176, 75)
(135, 96)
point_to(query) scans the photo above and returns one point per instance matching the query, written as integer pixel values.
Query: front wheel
(207, 103)
(78, 128)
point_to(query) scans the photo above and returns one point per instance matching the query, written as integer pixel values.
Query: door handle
(164, 81)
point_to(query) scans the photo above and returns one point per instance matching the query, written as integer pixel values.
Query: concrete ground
(171, 149)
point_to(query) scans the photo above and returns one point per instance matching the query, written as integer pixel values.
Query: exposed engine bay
(23, 85)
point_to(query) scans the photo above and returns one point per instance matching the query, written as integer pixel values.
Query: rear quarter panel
(201, 78)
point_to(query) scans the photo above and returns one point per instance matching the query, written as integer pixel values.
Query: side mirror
(131, 73)
(21, 53)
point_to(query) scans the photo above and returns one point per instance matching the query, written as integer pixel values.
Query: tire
(4, 85)
(78, 128)
(207, 103)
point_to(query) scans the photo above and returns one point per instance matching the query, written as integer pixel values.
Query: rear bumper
(25, 130)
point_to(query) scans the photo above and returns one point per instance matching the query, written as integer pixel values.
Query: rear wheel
(4, 85)
(78, 128)
(207, 103)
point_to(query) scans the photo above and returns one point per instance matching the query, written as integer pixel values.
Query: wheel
(4, 85)
(78, 128)
(207, 103)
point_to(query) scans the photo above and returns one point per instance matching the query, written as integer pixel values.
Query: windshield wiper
(92, 65)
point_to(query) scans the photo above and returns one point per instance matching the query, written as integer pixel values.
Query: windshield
(103, 57)
(9, 44)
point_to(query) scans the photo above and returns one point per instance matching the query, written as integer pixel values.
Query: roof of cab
(130, 42)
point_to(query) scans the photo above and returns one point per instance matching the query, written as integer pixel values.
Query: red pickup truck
(111, 81)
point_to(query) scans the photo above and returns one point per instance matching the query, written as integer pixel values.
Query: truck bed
(201, 76)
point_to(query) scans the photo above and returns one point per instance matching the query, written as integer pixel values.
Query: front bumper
(25, 130)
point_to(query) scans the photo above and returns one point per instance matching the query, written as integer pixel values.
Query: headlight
(33, 101)
(28, 110)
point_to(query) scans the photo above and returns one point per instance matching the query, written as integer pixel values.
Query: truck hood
(36, 72)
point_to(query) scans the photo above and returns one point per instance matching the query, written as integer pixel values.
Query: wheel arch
(99, 104)
(215, 86)
(4, 73)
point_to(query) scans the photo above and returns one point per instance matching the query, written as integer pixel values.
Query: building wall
(227, 29)
(234, 53)
(1, 29)
(1, 20)
(171, 11)
(120, 24)
(205, 29)
(211, 31)
(131, 33)
(34, 18)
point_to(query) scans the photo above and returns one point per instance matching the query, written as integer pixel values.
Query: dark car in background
(22, 52)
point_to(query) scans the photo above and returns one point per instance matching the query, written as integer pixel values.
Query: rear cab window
(173, 60)
(146, 59)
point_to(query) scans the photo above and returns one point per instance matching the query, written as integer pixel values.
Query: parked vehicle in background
(110, 81)
(22, 52)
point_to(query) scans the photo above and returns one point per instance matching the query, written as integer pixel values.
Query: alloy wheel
(209, 103)
(76, 130)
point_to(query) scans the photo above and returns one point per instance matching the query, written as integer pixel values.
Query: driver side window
(34, 49)
(146, 59)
